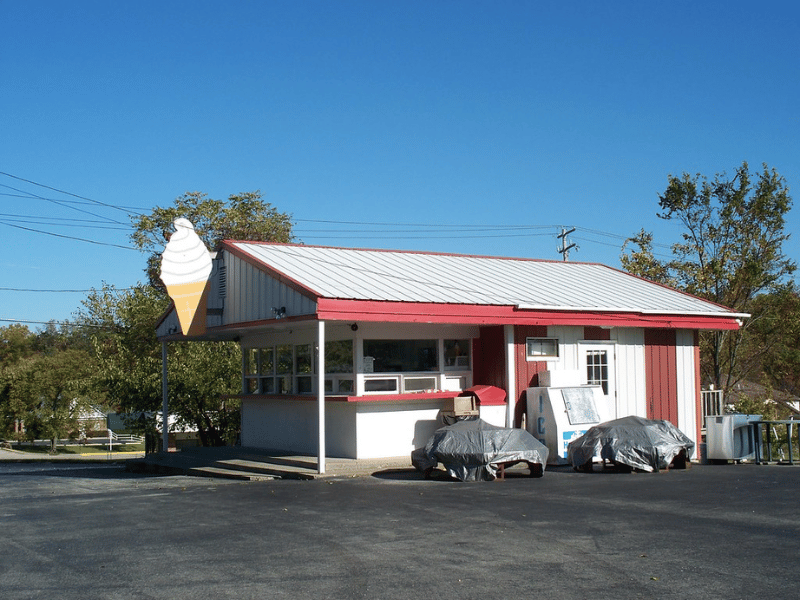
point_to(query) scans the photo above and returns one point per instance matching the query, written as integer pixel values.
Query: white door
(598, 367)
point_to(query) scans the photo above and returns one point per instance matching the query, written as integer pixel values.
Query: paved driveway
(95, 531)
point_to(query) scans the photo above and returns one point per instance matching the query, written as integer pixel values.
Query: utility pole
(566, 245)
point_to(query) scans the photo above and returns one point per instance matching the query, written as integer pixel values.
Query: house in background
(404, 332)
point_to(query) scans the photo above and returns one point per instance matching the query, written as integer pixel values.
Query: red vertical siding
(597, 334)
(661, 374)
(490, 358)
(527, 372)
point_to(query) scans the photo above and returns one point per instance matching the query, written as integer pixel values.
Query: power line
(107, 205)
(424, 225)
(30, 196)
(68, 237)
(14, 215)
(8, 289)
(53, 222)
(350, 236)
(63, 204)
(61, 323)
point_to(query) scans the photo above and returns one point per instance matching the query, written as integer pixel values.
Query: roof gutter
(693, 313)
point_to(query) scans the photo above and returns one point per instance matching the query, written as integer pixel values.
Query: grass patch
(76, 449)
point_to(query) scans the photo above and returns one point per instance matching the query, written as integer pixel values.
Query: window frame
(554, 355)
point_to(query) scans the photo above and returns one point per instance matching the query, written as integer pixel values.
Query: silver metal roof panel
(402, 276)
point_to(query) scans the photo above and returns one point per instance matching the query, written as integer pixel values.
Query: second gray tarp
(473, 450)
(644, 444)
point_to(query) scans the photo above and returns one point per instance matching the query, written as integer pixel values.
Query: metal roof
(408, 276)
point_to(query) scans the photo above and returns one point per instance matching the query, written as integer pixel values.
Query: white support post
(164, 399)
(244, 369)
(321, 394)
(511, 374)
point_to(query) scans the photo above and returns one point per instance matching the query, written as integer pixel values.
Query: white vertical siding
(687, 399)
(568, 338)
(631, 390)
(251, 295)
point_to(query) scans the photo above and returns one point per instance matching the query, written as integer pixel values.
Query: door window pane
(597, 368)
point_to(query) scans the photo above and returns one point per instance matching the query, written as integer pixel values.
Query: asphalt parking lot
(95, 531)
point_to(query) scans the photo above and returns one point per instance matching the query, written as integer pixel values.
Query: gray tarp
(472, 450)
(646, 444)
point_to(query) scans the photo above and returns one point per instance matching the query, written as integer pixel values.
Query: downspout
(511, 374)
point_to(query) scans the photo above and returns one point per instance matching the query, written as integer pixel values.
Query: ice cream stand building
(354, 353)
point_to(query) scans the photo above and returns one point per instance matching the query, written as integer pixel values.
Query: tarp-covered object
(473, 450)
(645, 444)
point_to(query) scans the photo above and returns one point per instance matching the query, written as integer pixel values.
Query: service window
(339, 356)
(402, 356)
(456, 354)
(381, 385)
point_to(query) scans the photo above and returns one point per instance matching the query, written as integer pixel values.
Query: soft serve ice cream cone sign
(185, 269)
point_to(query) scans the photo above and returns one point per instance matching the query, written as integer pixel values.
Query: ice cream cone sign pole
(185, 269)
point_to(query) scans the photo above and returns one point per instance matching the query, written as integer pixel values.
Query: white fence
(123, 438)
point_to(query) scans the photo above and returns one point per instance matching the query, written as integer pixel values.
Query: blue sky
(448, 124)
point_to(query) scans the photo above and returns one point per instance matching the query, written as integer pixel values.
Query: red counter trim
(372, 398)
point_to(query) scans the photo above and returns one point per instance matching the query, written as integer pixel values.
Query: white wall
(388, 429)
(353, 429)
(631, 388)
(276, 424)
(687, 394)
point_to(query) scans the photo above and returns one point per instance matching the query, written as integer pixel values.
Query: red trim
(494, 397)
(166, 313)
(330, 309)
(370, 398)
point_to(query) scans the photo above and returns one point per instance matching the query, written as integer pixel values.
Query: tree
(42, 381)
(129, 371)
(17, 344)
(774, 341)
(244, 216)
(201, 374)
(642, 262)
(50, 392)
(731, 252)
(124, 345)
